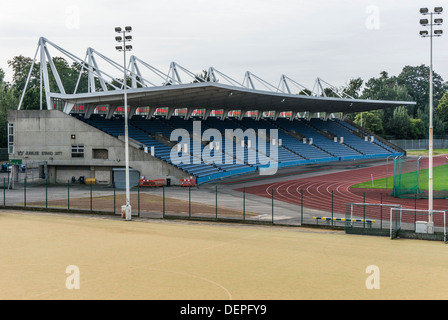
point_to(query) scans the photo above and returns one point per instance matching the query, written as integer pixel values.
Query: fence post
(364, 218)
(216, 201)
(91, 206)
(46, 192)
(138, 200)
(68, 194)
(415, 212)
(332, 206)
(381, 212)
(244, 203)
(4, 192)
(189, 201)
(272, 205)
(163, 202)
(301, 206)
(114, 199)
(24, 192)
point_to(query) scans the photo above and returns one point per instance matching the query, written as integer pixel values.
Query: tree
(399, 123)
(371, 120)
(354, 87)
(416, 81)
(201, 77)
(417, 129)
(8, 101)
(304, 92)
(441, 111)
(387, 88)
(68, 74)
(21, 66)
(439, 127)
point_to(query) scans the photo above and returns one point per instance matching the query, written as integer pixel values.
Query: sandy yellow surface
(153, 259)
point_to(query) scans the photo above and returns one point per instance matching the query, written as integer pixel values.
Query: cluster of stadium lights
(431, 34)
(432, 22)
(123, 38)
(126, 209)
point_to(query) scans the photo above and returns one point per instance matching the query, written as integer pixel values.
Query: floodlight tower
(431, 34)
(123, 39)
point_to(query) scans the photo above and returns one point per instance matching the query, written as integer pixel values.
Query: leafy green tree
(201, 77)
(68, 75)
(304, 92)
(8, 101)
(387, 88)
(439, 127)
(441, 111)
(416, 81)
(399, 124)
(371, 120)
(354, 88)
(417, 129)
(21, 66)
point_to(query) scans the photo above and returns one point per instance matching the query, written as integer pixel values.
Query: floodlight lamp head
(424, 33)
(119, 39)
(117, 29)
(438, 9)
(119, 48)
(128, 48)
(438, 21)
(128, 38)
(128, 28)
(424, 10)
(424, 22)
(438, 32)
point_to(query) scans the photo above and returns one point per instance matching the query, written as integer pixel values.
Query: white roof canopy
(218, 91)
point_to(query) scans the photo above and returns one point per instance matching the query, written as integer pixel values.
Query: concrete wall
(48, 135)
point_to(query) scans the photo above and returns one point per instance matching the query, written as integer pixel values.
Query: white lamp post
(432, 33)
(122, 39)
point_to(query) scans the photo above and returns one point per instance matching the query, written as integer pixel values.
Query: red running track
(331, 192)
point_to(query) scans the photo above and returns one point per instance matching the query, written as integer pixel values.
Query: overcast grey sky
(336, 40)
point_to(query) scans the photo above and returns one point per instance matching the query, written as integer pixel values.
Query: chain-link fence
(209, 203)
(420, 144)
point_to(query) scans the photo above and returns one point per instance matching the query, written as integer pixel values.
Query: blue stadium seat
(293, 144)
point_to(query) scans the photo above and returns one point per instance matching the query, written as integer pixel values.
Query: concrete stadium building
(81, 134)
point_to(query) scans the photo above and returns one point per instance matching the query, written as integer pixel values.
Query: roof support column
(110, 111)
(207, 114)
(276, 114)
(189, 112)
(68, 107)
(170, 112)
(307, 116)
(225, 112)
(90, 108)
(293, 115)
(132, 110)
(151, 112)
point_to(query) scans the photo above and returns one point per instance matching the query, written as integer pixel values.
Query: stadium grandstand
(82, 133)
